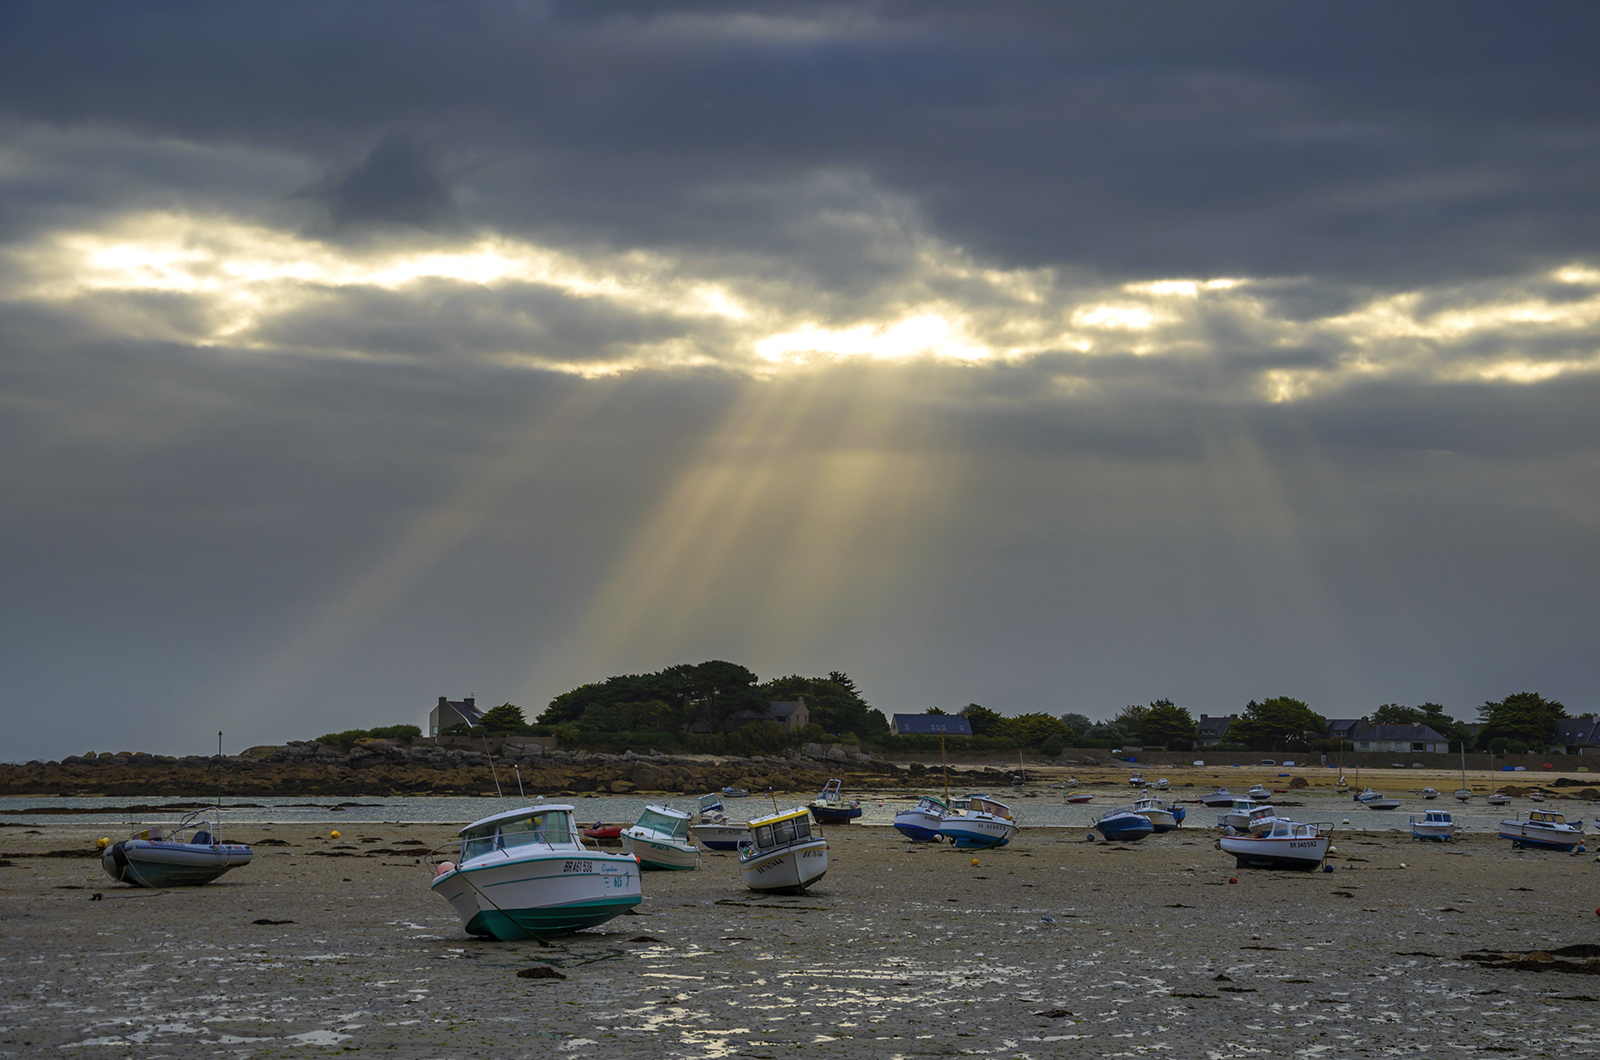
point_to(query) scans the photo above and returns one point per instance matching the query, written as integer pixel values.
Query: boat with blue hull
(526, 873)
(1121, 824)
(1544, 830)
(829, 806)
(984, 822)
(921, 822)
(188, 854)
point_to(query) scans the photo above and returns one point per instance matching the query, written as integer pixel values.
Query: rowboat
(526, 872)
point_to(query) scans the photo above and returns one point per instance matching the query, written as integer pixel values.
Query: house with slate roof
(453, 712)
(1397, 738)
(1575, 736)
(792, 716)
(1211, 731)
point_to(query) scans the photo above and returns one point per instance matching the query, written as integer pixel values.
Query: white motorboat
(526, 872)
(1162, 817)
(1259, 791)
(712, 829)
(1382, 802)
(1435, 824)
(986, 822)
(1462, 794)
(1162, 784)
(188, 854)
(921, 822)
(1545, 829)
(1499, 798)
(784, 855)
(1246, 815)
(1287, 845)
(660, 840)
(1218, 798)
(1429, 793)
(1136, 781)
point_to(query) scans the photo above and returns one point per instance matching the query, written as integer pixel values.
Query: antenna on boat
(774, 796)
(219, 769)
(520, 794)
(495, 773)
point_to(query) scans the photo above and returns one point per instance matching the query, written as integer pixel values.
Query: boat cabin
(781, 829)
(664, 822)
(1546, 817)
(1291, 830)
(529, 826)
(984, 804)
(710, 804)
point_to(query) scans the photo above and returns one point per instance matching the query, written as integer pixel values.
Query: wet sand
(904, 950)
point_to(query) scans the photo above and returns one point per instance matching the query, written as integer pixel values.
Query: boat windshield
(781, 833)
(551, 826)
(661, 822)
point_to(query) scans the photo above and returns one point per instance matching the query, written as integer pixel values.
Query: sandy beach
(1052, 946)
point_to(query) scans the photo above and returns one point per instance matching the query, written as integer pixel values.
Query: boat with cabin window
(660, 840)
(829, 806)
(712, 829)
(1220, 797)
(1286, 845)
(921, 822)
(1259, 791)
(1544, 829)
(1164, 817)
(785, 855)
(1245, 814)
(1499, 798)
(526, 872)
(187, 854)
(1437, 825)
(984, 822)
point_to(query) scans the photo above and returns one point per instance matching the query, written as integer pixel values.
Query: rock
(621, 787)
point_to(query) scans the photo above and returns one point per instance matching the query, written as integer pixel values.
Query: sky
(1050, 357)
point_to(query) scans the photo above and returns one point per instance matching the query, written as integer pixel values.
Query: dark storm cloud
(1361, 141)
(399, 183)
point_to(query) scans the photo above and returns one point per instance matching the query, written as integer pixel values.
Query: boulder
(621, 787)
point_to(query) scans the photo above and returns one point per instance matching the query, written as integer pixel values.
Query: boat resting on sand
(1287, 845)
(829, 806)
(921, 822)
(186, 855)
(712, 829)
(660, 840)
(1544, 829)
(1121, 825)
(525, 872)
(1436, 825)
(784, 855)
(984, 822)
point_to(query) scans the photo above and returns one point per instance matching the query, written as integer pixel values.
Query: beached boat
(187, 854)
(1536, 796)
(712, 829)
(921, 822)
(1245, 815)
(1429, 793)
(1163, 816)
(660, 840)
(1136, 781)
(784, 854)
(1381, 802)
(1437, 825)
(1258, 791)
(1220, 797)
(1462, 793)
(526, 872)
(829, 806)
(1080, 797)
(1287, 845)
(986, 822)
(1121, 824)
(1162, 784)
(603, 832)
(1499, 798)
(735, 793)
(1545, 829)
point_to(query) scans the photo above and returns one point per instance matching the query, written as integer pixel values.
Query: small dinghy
(186, 855)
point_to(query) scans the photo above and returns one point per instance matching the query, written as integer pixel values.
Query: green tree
(1523, 717)
(833, 702)
(984, 722)
(506, 718)
(1165, 724)
(1032, 730)
(936, 710)
(1397, 714)
(1279, 723)
(1076, 724)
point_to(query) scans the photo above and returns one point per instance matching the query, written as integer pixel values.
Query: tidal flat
(1052, 946)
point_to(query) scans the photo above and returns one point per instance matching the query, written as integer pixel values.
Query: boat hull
(1255, 852)
(720, 836)
(919, 825)
(1129, 827)
(1523, 835)
(657, 852)
(1439, 833)
(787, 869)
(550, 893)
(156, 863)
(977, 830)
(834, 814)
(1218, 798)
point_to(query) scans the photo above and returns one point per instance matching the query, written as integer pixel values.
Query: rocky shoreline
(380, 767)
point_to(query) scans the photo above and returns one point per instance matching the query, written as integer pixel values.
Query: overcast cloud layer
(1054, 359)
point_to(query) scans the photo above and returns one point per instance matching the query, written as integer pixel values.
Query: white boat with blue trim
(712, 829)
(526, 872)
(984, 822)
(660, 839)
(1544, 829)
(1286, 845)
(921, 822)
